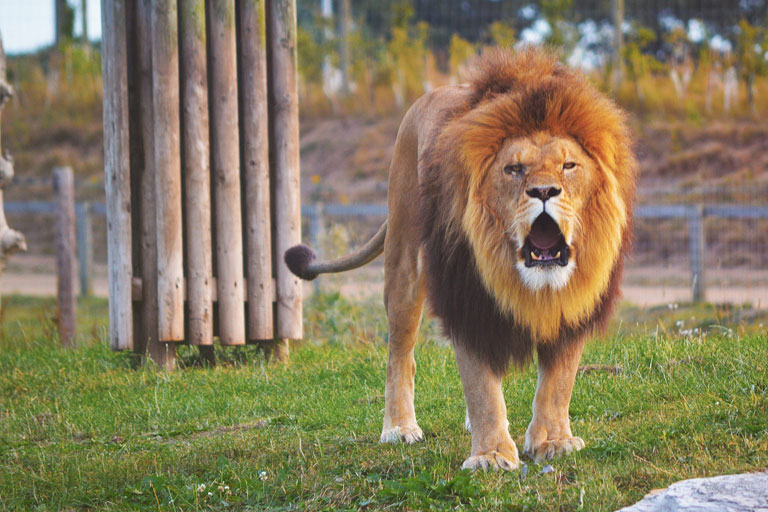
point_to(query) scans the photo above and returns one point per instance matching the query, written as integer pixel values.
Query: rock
(729, 493)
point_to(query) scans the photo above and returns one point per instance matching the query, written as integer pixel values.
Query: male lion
(510, 209)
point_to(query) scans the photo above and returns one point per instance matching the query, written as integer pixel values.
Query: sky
(27, 25)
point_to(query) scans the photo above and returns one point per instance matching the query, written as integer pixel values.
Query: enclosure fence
(196, 216)
(697, 244)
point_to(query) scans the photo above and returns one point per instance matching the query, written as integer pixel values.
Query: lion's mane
(472, 283)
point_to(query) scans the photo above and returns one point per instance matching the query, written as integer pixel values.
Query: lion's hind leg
(404, 296)
(549, 433)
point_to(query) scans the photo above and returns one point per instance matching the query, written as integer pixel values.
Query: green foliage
(426, 492)
(564, 34)
(407, 53)
(311, 55)
(460, 52)
(752, 43)
(502, 34)
(638, 61)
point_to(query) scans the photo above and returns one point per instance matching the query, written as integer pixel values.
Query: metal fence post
(697, 241)
(315, 224)
(84, 246)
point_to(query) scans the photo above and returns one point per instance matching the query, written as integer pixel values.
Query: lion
(510, 210)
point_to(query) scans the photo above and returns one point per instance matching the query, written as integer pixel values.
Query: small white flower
(679, 324)
(263, 475)
(201, 488)
(210, 494)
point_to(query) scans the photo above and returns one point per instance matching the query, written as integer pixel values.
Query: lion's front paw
(553, 448)
(407, 434)
(492, 460)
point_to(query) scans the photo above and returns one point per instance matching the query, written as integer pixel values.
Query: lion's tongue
(544, 233)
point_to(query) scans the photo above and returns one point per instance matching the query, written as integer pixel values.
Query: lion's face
(543, 193)
(538, 185)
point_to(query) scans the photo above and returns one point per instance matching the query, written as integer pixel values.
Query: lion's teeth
(533, 255)
(557, 255)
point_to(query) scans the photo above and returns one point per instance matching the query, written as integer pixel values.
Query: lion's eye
(569, 165)
(514, 169)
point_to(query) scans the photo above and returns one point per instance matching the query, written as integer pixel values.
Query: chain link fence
(691, 73)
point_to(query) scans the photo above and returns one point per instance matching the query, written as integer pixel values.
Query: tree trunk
(11, 241)
(62, 21)
(84, 19)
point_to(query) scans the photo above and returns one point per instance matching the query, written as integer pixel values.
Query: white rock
(729, 493)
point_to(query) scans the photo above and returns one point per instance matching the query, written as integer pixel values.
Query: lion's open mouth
(545, 244)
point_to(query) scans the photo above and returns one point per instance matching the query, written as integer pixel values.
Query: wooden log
(165, 94)
(255, 141)
(116, 168)
(163, 354)
(66, 259)
(137, 169)
(225, 150)
(197, 173)
(284, 116)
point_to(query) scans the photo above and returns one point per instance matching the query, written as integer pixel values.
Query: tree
(64, 20)
(84, 19)
(751, 46)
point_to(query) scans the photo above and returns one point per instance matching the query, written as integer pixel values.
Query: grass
(82, 429)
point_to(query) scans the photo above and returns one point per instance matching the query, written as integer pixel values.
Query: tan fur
(594, 212)
(523, 109)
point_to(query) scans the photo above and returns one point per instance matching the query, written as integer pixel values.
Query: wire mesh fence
(692, 73)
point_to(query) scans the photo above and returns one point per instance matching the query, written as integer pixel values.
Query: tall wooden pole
(254, 113)
(197, 173)
(148, 337)
(225, 150)
(285, 156)
(165, 94)
(116, 168)
(64, 186)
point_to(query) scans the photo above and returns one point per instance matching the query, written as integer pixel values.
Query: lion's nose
(543, 193)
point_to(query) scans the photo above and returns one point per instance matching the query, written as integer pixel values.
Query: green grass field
(82, 429)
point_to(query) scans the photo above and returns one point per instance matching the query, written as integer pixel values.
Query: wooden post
(116, 168)
(64, 186)
(84, 246)
(165, 94)
(697, 241)
(197, 170)
(254, 112)
(225, 150)
(285, 154)
(163, 354)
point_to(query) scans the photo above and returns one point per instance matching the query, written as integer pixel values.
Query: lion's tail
(302, 260)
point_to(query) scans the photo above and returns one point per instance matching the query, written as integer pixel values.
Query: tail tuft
(299, 258)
